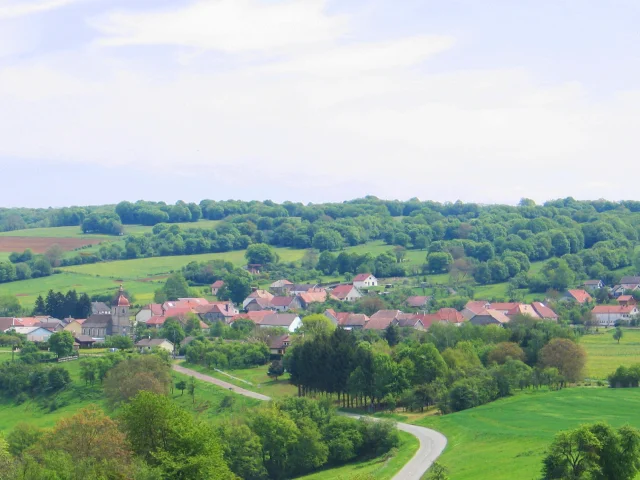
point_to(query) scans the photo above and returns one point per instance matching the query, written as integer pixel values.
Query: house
(489, 317)
(256, 317)
(34, 334)
(418, 301)
(217, 312)
(74, 326)
(450, 315)
(216, 286)
(331, 314)
(410, 321)
(630, 283)
(608, 315)
(148, 311)
(593, 284)
(474, 307)
(181, 314)
(382, 319)
(365, 280)
(116, 323)
(300, 288)
(256, 294)
(578, 296)
(52, 326)
(258, 304)
(147, 344)
(314, 296)
(84, 341)
(346, 293)
(523, 309)
(7, 322)
(626, 300)
(290, 321)
(353, 321)
(503, 307)
(100, 308)
(544, 312)
(280, 287)
(278, 345)
(284, 304)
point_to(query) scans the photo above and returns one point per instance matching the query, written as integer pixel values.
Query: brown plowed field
(41, 244)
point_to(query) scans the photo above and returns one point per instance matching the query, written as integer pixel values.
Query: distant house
(489, 317)
(608, 315)
(578, 296)
(7, 322)
(593, 284)
(256, 317)
(544, 312)
(278, 345)
(280, 287)
(523, 309)
(258, 304)
(100, 308)
(148, 311)
(630, 283)
(84, 341)
(626, 300)
(217, 312)
(474, 307)
(300, 288)
(503, 307)
(290, 321)
(216, 286)
(346, 293)
(418, 301)
(284, 304)
(410, 321)
(306, 299)
(382, 319)
(256, 294)
(353, 321)
(365, 280)
(147, 344)
(451, 315)
(34, 334)
(75, 326)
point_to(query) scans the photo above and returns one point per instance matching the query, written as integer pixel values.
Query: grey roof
(152, 342)
(279, 319)
(97, 321)
(592, 282)
(99, 307)
(630, 280)
(84, 339)
(6, 323)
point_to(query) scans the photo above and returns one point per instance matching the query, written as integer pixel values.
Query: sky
(317, 100)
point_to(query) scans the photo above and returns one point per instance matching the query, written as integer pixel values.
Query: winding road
(432, 443)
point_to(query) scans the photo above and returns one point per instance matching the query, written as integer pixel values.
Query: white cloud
(225, 25)
(14, 9)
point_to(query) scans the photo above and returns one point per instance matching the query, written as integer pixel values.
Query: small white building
(365, 280)
(608, 315)
(346, 293)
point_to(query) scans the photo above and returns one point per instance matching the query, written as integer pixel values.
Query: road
(432, 443)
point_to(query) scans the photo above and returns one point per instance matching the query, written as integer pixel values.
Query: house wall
(74, 327)
(143, 315)
(610, 319)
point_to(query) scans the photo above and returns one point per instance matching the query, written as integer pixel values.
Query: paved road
(432, 443)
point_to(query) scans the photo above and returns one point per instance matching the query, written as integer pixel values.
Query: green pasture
(507, 439)
(28, 290)
(381, 468)
(257, 376)
(605, 354)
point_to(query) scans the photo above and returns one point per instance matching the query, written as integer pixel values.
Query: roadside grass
(604, 354)
(380, 468)
(28, 290)
(257, 376)
(508, 438)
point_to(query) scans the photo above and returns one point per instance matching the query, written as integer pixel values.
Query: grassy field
(605, 355)
(507, 439)
(378, 468)
(28, 290)
(258, 378)
(211, 402)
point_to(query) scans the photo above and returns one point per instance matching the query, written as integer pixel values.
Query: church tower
(121, 325)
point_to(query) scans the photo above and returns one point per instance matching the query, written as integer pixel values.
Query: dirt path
(432, 443)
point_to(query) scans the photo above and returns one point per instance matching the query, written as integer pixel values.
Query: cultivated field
(42, 244)
(605, 355)
(507, 439)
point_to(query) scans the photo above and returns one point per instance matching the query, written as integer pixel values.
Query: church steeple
(120, 314)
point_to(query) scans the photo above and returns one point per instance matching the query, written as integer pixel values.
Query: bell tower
(121, 325)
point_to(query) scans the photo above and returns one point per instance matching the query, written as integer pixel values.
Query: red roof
(450, 315)
(477, 306)
(361, 277)
(342, 291)
(544, 311)
(417, 300)
(428, 319)
(506, 306)
(313, 297)
(382, 319)
(353, 320)
(217, 284)
(123, 302)
(580, 296)
(614, 309)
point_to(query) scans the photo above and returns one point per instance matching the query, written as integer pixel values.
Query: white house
(290, 321)
(608, 315)
(346, 293)
(34, 334)
(147, 344)
(365, 280)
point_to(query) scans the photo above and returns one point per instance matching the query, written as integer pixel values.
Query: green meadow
(506, 439)
(605, 354)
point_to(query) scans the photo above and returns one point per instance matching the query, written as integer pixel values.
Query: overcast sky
(317, 100)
